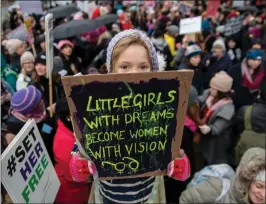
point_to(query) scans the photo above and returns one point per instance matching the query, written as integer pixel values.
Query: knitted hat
(41, 58)
(255, 54)
(25, 100)
(173, 29)
(26, 57)
(221, 82)
(219, 43)
(64, 42)
(192, 50)
(193, 96)
(260, 176)
(12, 45)
(127, 33)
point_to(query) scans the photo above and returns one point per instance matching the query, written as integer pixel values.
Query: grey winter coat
(214, 145)
(207, 191)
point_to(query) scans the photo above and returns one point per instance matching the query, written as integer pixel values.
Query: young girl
(130, 51)
(27, 67)
(217, 110)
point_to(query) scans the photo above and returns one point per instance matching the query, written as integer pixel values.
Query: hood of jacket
(250, 164)
(160, 43)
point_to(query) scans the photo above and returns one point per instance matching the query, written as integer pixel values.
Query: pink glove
(81, 168)
(179, 169)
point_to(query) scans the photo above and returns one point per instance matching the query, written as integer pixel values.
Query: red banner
(213, 7)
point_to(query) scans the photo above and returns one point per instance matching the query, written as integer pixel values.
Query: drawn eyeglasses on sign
(121, 166)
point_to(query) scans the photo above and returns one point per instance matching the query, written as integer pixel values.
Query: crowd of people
(223, 145)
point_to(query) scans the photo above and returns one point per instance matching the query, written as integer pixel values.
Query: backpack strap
(248, 125)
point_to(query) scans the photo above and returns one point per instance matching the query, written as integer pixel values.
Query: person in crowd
(192, 62)
(40, 43)
(64, 139)
(174, 188)
(216, 61)
(247, 78)
(251, 124)
(246, 185)
(170, 37)
(6, 139)
(27, 104)
(66, 60)
(257, 44)
(6, 93)
(233, 51)
(136, 49)
(41, 82)
(217, 111)
(15, 48)
(27, 67)
(161, 45)
(8, 74)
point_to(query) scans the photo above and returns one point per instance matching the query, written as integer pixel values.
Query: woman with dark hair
(217, 110)
(247, 78)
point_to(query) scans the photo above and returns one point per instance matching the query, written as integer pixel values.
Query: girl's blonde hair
(123, 44)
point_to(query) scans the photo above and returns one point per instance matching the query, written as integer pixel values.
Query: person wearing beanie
(248, 76)
(217, 110)
(64, 139)
(192, 61)
(40, 80)
(217, 60)
(130, 46)
(15, 48)
(170, 37)
(27, 67)
(66, 60)
(218, 185)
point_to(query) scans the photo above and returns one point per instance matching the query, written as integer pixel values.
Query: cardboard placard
(28, 174)
(212, 8)
(49, 42)
(190, 25)
(233, 25)
(185, 6)
(130, 125)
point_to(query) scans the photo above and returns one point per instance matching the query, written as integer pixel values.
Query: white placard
(31, 6)
(83, 6)
(238, 3)
(233, 25)
(27, 171)
(49, 41)
(190, 25)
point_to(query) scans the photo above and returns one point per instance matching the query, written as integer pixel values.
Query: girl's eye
(123, 67)
(144, 67)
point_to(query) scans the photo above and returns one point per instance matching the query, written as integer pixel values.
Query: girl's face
(231, 44)
(133, 59)
(254, 64)
(213, 92)
(256, 192)
(21, 49)
(66, 50)
(28, 66)
(195, 60)
(40, 69)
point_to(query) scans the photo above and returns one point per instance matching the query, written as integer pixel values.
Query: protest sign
(190, 25)
(49, 42)
(233, 25)
(83, 6)
(18, 33)
(185, 7)
(129, 125)
(238, 3)
(28, 174)
(31, 6)
(212, 8)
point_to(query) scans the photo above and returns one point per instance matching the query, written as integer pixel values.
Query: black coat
(242, 95)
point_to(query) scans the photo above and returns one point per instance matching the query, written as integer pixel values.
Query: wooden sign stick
(51, 94)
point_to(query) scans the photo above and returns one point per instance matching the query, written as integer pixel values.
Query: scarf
(252, 85)
(213, 107)
(38, 114)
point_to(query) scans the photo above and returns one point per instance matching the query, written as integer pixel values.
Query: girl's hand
(179, 169)
(81, 168)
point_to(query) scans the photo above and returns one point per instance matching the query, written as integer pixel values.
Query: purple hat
(25, 100)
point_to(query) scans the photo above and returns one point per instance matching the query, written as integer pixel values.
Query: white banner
(31, 7)
(28, 174)
(190, 25)
(49, 41)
